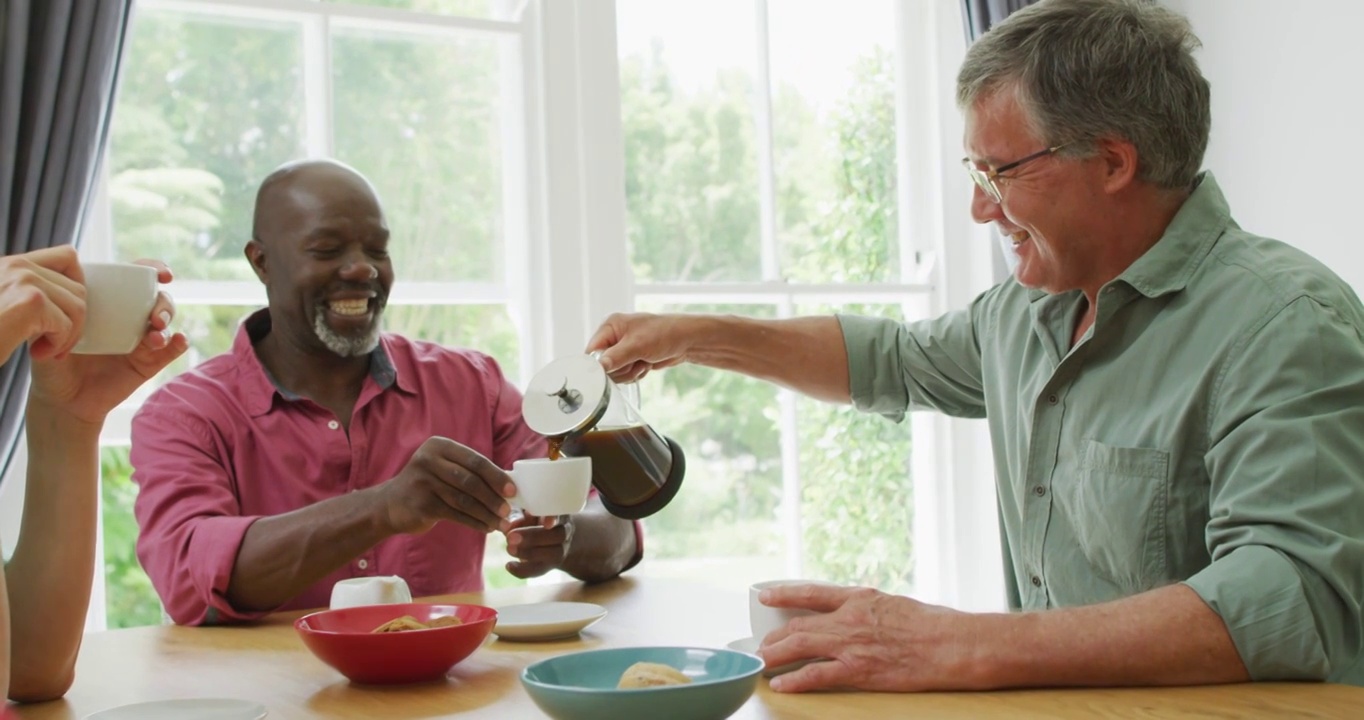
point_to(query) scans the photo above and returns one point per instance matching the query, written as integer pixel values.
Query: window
(761, 176)
(776, 159)
(415, 94)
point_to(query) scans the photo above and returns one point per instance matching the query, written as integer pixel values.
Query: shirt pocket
(1119, 514)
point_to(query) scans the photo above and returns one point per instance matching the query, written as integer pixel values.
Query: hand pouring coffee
(636, 470)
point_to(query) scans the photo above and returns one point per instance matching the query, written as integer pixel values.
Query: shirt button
(363, 564)
(1036, 581)
(1052, 399)
(1039, 491)
(333, 424)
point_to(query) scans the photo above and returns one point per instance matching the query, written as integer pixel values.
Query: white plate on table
(750, 645)
(185, 709)
(545, 620)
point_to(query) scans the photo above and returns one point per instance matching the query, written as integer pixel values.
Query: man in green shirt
(1176, 406)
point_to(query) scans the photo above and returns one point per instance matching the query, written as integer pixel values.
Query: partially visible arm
(283, 555)
(881, 642)
(603, 545)
(210, 563)
(48, 578)
(804, 354)
(1167, 636)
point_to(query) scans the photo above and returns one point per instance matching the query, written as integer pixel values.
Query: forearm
(49, 576)
(602, 546)
(283, 555)
(804, 354)
(1167, 636)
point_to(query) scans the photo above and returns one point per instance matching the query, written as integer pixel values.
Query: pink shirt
(220, 446)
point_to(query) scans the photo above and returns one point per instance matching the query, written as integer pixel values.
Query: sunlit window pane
(726, 511)
(421, 118)
(833, 120)
(857, 504)
(687, 84)
(206, 108)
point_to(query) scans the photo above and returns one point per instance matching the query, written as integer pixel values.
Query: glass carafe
(635, 469)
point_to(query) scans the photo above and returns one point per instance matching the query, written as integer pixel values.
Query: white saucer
(186, 709)
(750, 645)
(546, 620)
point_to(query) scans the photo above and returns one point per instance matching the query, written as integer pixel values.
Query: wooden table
(267, 663)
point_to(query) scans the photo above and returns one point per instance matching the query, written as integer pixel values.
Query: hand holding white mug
(87, 387)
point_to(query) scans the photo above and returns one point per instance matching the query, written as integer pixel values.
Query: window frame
(566, 253)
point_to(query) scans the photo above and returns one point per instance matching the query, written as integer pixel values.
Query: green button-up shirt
(1208, 429)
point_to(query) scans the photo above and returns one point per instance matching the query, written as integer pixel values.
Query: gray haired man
(1176, 406)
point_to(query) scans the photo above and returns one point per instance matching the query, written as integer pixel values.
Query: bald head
(304, 189)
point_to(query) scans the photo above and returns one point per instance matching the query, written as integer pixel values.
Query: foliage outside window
(694, 163)
(210, 103)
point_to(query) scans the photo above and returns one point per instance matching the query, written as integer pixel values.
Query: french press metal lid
(636, 470)
(569, 395)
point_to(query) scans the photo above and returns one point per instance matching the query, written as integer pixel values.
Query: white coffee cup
(763, 619)
(118, 302)
(379, 590)
(551, 487)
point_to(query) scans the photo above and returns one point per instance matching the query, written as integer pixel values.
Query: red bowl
(344, 639)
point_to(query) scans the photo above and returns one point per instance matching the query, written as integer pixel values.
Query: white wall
(1288, 110)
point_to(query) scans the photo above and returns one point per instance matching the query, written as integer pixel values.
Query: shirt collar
(260, 387)
(1173, 260)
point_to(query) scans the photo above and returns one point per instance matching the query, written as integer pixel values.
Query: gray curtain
(58, 70)
(979, 16)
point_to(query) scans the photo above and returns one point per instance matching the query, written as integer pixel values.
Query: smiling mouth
(349, 308)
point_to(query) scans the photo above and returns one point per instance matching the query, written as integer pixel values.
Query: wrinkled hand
(869, 641)
(87, 387)
(538, 544)
(633, 344)
(445, 480)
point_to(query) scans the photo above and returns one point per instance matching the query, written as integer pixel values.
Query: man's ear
(255, 254)
(1120, 163)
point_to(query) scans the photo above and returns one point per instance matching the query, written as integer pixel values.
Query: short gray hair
(1088, 69)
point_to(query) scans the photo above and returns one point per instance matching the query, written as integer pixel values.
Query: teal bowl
(582, 685)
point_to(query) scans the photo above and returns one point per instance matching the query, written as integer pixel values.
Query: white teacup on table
(764, 619)
(378, 590)
(546, 488)
(118, 300)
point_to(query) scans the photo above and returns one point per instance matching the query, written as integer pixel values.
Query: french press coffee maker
(572, 402)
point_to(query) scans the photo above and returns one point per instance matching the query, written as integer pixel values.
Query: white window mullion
(522, 191)
(792, 526)
(762, 116)
(317, 86)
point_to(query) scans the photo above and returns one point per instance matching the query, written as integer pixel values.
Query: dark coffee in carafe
(632, 462)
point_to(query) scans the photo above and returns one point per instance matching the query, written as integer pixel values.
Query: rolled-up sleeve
(1286, 500)
(931, 364)
(190, 521)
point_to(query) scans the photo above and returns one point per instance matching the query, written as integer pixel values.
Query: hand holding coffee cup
(119, 298)
(551, 487)
(764, 619)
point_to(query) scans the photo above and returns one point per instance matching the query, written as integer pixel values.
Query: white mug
(379, 590)
(763, 619)
(118, 302)
(551, 487)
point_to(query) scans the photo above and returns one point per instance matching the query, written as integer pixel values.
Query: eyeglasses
(986, 178)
